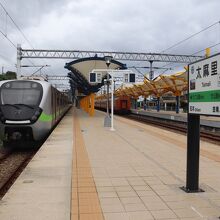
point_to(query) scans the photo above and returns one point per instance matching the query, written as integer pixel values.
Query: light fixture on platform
(107, 122)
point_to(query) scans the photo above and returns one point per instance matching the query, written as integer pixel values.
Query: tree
(8, 75)
(11, 75)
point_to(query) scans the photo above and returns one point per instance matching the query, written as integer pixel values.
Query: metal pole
(108, 91)
(177, 104)
(18, 60)
(193, 147)
(135, 103)
(193, 139)
(107, 121)
(145, 103)
(151, 76)
(158, 104)
(112, 104)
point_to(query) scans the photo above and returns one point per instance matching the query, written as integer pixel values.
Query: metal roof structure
(132, 56)
(81, 68)
(176, 83)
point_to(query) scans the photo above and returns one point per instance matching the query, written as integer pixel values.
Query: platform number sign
(204, 86)
(95, 77)
(92, 77)
(129, 78)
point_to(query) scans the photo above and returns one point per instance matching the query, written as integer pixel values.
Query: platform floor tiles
(136, 171)
(43, 190)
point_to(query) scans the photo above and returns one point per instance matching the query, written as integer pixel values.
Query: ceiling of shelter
(86, 65)
(81, 68)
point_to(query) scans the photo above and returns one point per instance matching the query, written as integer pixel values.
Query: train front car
(21, 104)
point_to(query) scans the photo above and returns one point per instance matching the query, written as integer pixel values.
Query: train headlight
(33, 118)
(36, 115)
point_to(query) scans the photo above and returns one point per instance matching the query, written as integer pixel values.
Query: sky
(110, 25)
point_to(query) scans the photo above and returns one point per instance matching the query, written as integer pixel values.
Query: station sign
(204, 86)
(129, 78)
(95, 77)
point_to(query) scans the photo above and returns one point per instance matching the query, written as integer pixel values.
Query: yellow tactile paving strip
(85, 201)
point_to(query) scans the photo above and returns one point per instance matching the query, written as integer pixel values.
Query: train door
(54, 105)
(124, 104)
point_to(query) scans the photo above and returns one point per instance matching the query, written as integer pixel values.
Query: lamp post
(112, 103)
(107, 122)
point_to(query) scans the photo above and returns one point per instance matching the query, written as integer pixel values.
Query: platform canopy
(176, 83)
(81, 69)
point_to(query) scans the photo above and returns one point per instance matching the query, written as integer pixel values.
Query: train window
(21, 92)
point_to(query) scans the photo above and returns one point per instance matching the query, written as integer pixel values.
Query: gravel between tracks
(11, 166)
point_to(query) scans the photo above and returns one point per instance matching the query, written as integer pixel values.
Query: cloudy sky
(114, 25)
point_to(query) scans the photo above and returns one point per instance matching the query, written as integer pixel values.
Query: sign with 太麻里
(204, 86)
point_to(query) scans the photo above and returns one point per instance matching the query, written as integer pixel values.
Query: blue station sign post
(203, 99)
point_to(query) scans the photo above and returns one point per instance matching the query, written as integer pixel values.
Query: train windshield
(21, 92)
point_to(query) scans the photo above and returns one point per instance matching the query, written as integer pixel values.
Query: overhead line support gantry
(130, 56)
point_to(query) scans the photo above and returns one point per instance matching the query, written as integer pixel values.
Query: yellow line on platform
(85, 201)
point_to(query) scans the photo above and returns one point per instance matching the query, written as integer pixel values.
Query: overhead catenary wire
(202, 50)
(19, 29)
(22, 33)
(191, 36)
(8, 39)
(6, 23)
(206, 48)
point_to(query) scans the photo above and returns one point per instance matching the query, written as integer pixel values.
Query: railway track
(181, 127)
(11, 165)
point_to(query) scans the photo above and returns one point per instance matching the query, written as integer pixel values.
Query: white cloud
(125, 25)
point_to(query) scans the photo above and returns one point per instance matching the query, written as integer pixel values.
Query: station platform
(182, 117)
(43, 190)
(84, 171)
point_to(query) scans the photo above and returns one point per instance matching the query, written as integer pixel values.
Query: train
(29, 110)
(122, 104)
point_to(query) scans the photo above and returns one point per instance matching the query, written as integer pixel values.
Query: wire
(16, 25)
(171, 64)
(205, 49)
(22, 33)
(8, 39)
(193, 35)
